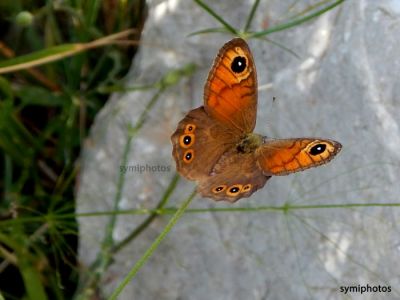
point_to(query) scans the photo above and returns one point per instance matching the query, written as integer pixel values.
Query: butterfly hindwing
(236, 175)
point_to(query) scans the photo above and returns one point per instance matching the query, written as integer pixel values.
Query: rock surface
(344, 86)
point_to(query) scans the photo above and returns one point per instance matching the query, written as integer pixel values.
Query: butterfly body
(250, 142)
(215, 145)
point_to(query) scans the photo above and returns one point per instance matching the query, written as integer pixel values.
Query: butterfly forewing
(282, 157)
(230, 93)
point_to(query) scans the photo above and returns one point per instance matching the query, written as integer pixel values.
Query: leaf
(34, 95)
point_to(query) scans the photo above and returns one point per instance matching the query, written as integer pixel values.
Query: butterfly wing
(211, 144)
(235, 176)
(198, 144)
(230, 107)
(230, 93)
(282, 157)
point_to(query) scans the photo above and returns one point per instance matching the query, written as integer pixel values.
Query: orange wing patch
(282, 157)
(230, 93)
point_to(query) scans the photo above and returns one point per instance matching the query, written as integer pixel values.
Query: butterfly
(214, 144)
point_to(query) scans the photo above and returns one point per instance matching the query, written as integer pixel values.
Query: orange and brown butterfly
(214, 144)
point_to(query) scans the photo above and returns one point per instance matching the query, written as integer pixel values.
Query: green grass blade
(167, 194)
(92, 11)
(31, 278)
(251, 15)
(8, 173)
(229, 27)
(55, 53)
(296, 21)
(311, 8)
(211, 30)
(139, 264)
(37, 58)
(281, 46)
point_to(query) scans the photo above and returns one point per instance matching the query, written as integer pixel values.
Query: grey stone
(344, 85)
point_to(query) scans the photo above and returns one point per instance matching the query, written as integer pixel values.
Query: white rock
(345, 86)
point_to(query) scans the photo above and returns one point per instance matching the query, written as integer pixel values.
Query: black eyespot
(188, 156)
(190, 128)
(317, 149)
(234, 190)
(246, 187)
(219, 189)
(187, 139)
(239, 64)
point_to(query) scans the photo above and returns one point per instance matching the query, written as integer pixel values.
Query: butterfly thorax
(249, 143)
